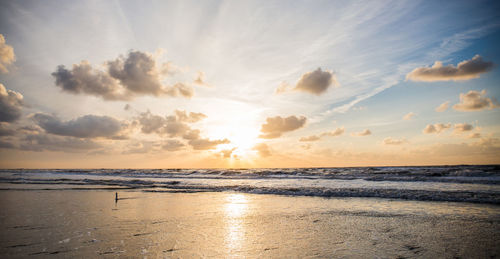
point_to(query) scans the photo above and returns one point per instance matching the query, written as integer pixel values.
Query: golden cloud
(465, 70)
(475, 101)
(7, 55)
(276, 126)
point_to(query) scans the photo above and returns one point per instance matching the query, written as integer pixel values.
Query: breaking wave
(479, 184)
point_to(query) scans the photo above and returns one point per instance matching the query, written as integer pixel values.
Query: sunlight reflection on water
(235, 209)
(236, 206)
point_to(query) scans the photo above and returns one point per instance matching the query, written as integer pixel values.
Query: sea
(458, 183)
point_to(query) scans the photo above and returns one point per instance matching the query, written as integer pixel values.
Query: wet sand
(88, 223)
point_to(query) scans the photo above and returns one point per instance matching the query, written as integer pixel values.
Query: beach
(42, 222)
(249, 129)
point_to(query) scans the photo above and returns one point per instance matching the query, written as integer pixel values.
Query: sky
(238, 84)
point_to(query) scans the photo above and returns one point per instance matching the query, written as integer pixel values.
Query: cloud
(443, 107)
(436, 128)
(475, 101)
(191, 134)
(365, 132)
(333, 133)
(474, 135)
(11, 103)
(200, 79)
(282, 88)
(6, 130)
(7, 55)
(306, 146)
(147, 146)
(491, 145)
(205, 144)
(465, 70)
(6, 145)
(82, 78)
(227, 152)
(151, 123)
(172, 145)
(192, 117)
(315, 82)
(31, 129)
(262, 149)
(123, 79)
(276, 126)
(174, 125)
(137, 73)
(409, 116)
(179, 90)
(177, 126)
(42, 142)
(483, 147)
(88, 126)
(142, 147)
(392, 141)
(169, 68)
(462, 127)
(310, 138)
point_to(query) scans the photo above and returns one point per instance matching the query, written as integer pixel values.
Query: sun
(242, 140)
(239, 123)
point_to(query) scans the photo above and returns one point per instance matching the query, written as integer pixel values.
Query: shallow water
(88, 223)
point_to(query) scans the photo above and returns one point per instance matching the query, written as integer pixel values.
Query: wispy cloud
(443, 107)
(363, 133)
(200, 79)
(449, 45)
(409, 116)
(333, 133)
(206, 144)
(394, 141)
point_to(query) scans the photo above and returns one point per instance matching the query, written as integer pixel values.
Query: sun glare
(241, 126)
(242, 140)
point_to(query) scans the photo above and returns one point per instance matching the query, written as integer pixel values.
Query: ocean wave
(477, 196)
(485, 174)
